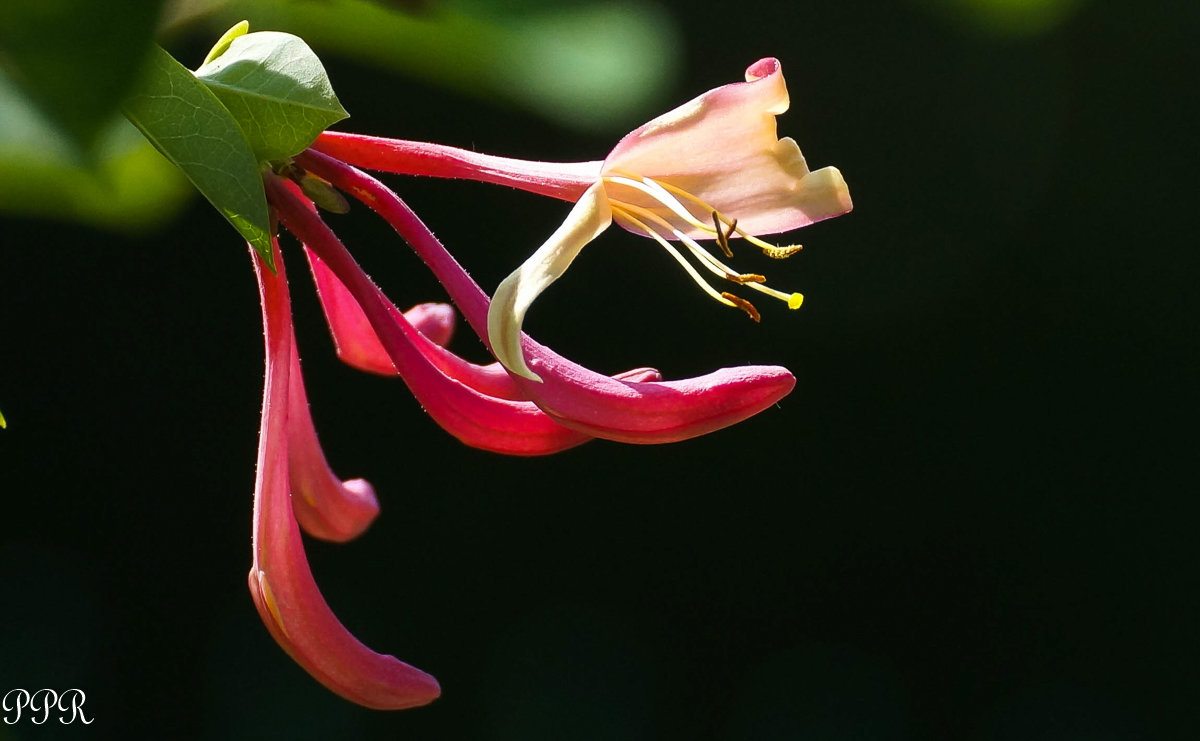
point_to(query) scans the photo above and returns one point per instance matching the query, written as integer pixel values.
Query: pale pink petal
(723, 148)
(565, 180)
(281, 583)
(476, 418)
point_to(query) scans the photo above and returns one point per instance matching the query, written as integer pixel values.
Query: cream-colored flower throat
(721, 227)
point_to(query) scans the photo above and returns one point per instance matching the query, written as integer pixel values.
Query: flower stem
(565, 180)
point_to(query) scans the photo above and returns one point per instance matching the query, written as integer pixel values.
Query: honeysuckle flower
(661, 181)
(713, 168)
(688, 175)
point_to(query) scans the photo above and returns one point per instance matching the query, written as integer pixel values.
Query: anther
(779, 253)
(743, 304)
(722, 235)
(744, 278)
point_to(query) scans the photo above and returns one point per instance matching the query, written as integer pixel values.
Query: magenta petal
(356, 343)
(325, 506)
(610, 408)
(281, 583)
(475, 417)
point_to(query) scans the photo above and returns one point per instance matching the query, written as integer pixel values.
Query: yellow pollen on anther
(779, 253)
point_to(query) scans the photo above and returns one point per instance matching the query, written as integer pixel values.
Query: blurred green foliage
(1005, 18)
(586, 65)
(119, 182)
(76, 60)
(65, 66)
(64, 151)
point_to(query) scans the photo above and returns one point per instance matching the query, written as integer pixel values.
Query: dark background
(971, 519)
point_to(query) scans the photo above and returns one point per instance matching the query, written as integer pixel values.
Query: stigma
(667, 213)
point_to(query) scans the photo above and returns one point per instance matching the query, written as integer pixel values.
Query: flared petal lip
(723, 148)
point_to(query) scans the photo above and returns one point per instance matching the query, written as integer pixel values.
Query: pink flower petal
(281, 583)
(650, 412)
(325, 506)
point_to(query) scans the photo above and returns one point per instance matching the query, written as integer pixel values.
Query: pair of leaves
(258, 98)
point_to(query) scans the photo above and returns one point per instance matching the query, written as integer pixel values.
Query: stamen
(744, 305)
(712, 264)
(655, 190)
(665, 194)
(755, 281)
(624, 214)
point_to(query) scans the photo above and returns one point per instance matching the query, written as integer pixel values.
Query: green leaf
(276, 89)
(184, 120)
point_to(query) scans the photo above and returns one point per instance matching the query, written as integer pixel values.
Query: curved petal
(722, 147)
(325, 506)
(589, 217)
(476, 418)
(629, 411)
(281, 583)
